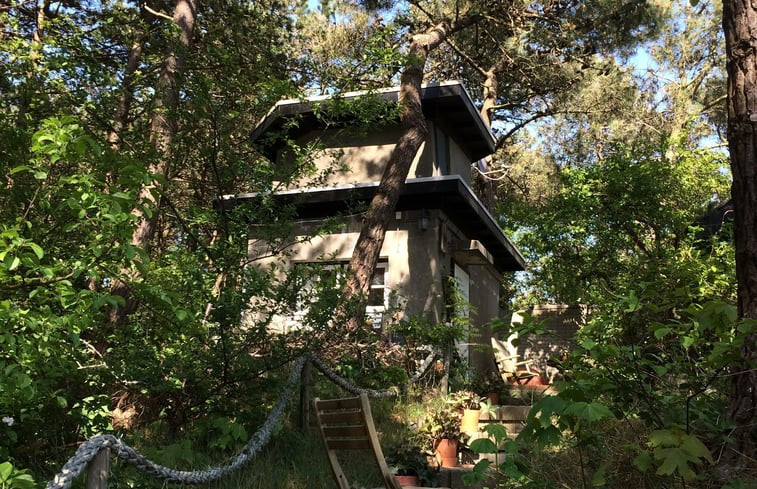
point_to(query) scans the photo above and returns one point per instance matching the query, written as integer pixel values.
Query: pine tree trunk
(121, 117)
(414, 131)
(162, 131)
(487, 193)
(163, 123)
(739, 22)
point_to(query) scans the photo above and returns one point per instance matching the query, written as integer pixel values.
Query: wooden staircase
(512, 417)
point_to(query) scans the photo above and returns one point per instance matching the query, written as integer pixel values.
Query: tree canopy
(127, 295)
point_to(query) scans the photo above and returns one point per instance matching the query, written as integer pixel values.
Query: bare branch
(467, 58)
(156, 13)
(503, 138)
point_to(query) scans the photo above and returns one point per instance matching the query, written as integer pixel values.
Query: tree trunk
(162, 130)
(414, 131)
(488, 188)
(739, 24)
(32, 83)
(163, 122)
(121, 117)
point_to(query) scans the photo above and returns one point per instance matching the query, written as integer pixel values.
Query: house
(440, 228)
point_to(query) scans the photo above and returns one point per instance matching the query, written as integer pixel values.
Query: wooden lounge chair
(347, 424)
(510, 368)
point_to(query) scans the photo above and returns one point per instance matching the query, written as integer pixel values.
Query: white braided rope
(89, 449)
(346, 385)
(423, 366)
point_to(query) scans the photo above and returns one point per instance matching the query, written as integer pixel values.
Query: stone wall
(562, 322)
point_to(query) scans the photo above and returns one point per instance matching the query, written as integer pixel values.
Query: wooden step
(513, 418)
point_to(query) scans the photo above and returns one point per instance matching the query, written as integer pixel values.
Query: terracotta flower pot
(447, 452)
(408, 480)
(493, 397)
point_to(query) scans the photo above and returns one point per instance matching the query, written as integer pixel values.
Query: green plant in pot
(469, 404)
(407, 460)
(461, 400)
(488, 385)
(441, 429)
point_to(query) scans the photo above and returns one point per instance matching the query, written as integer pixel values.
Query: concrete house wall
(419, 258)
(438, 228)
(562, 322)
(347, 158)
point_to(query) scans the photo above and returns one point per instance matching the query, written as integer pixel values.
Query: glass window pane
(378, 277)
(376, 297)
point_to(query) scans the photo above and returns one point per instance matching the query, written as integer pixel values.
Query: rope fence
(89, 450)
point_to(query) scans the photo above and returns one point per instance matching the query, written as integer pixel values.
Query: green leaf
(483, 445)
(673, 459)
(478, 473)
(23, 481)
(676, 450)
(496, 431)
(547, 407)
(19, 169)
(660, 332)
(115, 300)
(663, 438)
(694, 446)
(37, 249)
(5, 471)
(598, 479)
(589, 411)
(548, 436)
(14, 262)
(642, 461)
(510, 447)
(633, 302)
(745, 327)
(62, 402)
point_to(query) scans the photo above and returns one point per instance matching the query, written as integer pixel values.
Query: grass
(293, 460)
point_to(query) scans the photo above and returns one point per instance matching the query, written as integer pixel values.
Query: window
(441, 143)
(377, 296)
(332, 275)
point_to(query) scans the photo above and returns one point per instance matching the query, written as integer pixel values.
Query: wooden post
(447, 362)
(97, 472)
(304, 397)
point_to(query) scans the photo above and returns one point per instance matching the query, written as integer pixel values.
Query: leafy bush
(12, 478)
(673, 379)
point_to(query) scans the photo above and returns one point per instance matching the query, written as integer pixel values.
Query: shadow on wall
(562, 321)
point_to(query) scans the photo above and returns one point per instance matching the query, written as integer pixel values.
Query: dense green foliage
(68, 200)
(626, 223)
(602, 198)
(608, 207)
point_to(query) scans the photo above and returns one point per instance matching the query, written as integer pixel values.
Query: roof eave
(430, 93)
(449, 193)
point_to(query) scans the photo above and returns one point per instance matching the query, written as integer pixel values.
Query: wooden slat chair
(347, 424)
(509, 367)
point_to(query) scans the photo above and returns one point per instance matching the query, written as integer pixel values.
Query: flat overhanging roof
(449, 193)
(447, 103)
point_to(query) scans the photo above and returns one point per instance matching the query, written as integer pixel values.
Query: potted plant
(441, 428)
(410, 466)
(488, 385)
(469, 404)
